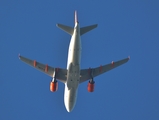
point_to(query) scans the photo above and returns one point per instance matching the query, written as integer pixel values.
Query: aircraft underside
(73, 75)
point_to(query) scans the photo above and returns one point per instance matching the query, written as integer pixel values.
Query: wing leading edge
(60, 73)
(87, 74)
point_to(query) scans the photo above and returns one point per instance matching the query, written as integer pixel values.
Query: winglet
(129, 57)
(19, 55)
(76, 20)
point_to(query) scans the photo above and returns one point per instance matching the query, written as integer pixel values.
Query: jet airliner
(73, 75)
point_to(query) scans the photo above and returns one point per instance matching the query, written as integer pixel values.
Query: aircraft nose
(70, 99)
(69, 108)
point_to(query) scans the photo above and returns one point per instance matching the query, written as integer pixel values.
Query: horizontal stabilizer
(83, 30)
(67, 29)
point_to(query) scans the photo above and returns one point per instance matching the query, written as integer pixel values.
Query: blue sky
(129, 92)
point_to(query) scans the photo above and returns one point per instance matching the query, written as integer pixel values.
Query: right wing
(60, 73)
(87, 74)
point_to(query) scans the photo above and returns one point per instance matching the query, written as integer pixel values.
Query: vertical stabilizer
(76, 20)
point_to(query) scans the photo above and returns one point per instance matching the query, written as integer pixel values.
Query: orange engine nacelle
(53, 86)
(90, 87)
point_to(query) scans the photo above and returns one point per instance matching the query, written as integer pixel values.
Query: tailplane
(86, 29)
(70, 30)
(65, 28)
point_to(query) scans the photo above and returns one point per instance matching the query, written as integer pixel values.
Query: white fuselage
(73, 67)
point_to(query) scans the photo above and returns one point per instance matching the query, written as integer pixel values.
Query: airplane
(73, 75)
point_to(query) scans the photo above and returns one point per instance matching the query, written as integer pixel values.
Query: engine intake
(90, 86)
(53, 86)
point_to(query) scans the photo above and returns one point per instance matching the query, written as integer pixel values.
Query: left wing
(60, 73)
(87, 74)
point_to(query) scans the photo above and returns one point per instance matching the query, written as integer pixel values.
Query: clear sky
(125, 27)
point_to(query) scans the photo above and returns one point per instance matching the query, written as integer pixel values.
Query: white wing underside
(87, 74)
(61, 74)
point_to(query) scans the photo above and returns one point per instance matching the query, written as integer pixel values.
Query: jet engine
(53, 86)
(90, 86)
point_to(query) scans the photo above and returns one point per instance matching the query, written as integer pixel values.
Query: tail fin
(76, 20)
(83, 30)
(67, 29)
